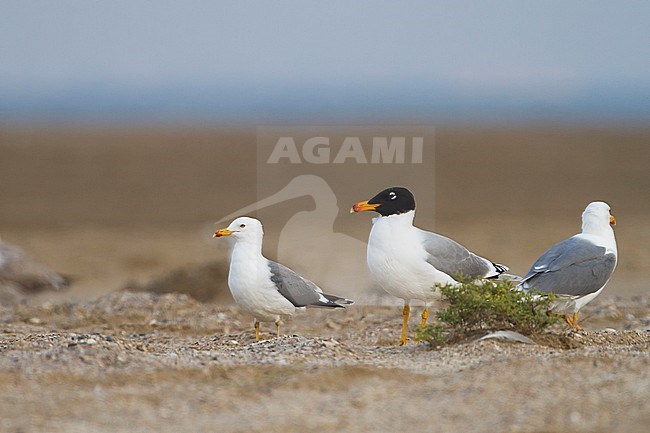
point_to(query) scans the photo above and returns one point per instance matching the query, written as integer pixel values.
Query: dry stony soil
(135, 361)
(122, 207)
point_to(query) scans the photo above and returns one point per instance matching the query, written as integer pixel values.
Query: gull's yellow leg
(425, 316)
(257, 331)
(277, 325)
(575, 325)
(568, 320)
(406, 312)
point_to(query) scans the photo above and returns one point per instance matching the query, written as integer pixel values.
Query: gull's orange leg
(257, 331)
(277, 326)
(568, 320)
(573, 322)
(406, 312)
(425, 316)
(576, 327)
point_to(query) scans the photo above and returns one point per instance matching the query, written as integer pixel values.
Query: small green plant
(433, 334)
(487, 305)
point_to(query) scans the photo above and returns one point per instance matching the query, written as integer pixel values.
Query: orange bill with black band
(363, 206)
(222, 232)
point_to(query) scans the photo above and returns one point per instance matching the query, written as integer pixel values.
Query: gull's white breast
(397, 261)
(250, 283)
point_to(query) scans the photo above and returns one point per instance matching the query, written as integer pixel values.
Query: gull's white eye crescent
(392, 195)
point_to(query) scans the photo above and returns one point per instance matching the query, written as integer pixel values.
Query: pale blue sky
(253, 56)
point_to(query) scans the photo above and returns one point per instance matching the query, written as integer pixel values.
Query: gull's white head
(243, 229)
(596, 219)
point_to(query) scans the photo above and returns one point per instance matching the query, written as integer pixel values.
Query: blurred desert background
(134, 207)
(128, 129)
(110, 205)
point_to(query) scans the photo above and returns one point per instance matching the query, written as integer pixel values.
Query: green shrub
(487, 305)
(433, 334)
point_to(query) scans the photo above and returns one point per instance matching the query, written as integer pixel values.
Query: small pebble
(333, 326)
(330, 343)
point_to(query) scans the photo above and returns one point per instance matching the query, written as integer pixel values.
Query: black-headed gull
(406, 261)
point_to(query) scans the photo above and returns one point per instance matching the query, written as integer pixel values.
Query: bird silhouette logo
(308, 240)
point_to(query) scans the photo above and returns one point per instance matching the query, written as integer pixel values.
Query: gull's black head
(391, 201)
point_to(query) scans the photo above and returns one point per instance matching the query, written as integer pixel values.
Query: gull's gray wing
(452, 258)
(298, 290)
(574, 267)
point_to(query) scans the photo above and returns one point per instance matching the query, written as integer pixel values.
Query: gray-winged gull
(264, 288)
(577, 269)
(407, 261)
(311, 231)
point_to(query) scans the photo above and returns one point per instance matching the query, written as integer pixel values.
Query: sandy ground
(125, 207)
(144, 362)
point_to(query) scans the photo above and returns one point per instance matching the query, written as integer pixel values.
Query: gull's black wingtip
(341, 302)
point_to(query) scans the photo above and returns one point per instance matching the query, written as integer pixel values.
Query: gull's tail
(333, 302)
(498, 270)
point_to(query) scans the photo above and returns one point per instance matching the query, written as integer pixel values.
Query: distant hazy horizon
(287, 60)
